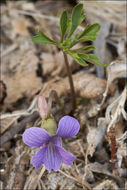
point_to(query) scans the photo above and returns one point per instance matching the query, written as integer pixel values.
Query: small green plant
(69, 39)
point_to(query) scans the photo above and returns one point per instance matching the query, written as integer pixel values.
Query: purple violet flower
(51, 152)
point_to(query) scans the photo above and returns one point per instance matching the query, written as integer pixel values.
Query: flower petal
(38, 159)
(52, 159)
(67, 158)
(35, 137)
(56, 140)
(67, 127)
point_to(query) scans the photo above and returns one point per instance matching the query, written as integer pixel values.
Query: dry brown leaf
(53, 64)
(22, 86)
(22, 80)
(48, 63)
(5, 123)
(111, 11)
(119, 129)
(99, 168)
(20, 25)
(86, 85)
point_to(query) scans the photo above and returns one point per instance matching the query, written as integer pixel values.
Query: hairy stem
(70, 81)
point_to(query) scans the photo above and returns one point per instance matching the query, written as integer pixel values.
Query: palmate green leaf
(64, 23)
(92, 58)
(41, 38)
(76, 18)
(90, 32)
(77, 57)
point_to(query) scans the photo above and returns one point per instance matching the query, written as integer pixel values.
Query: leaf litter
(29, 70)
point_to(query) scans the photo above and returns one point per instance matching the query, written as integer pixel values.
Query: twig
(39, 177)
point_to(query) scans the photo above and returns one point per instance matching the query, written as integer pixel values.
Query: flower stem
(70, 81)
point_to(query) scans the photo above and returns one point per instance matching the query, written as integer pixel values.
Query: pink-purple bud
(42, 106)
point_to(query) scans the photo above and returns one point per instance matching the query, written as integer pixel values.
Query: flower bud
(42, 106)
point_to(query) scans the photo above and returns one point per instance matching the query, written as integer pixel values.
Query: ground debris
(29, 70)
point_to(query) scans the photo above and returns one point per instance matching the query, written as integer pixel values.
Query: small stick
(39, 177)
(41, 173)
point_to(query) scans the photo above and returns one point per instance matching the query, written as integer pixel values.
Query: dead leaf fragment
(111, 11)
(86, 85)
(19, 75)
(22, 85)
(89, 86)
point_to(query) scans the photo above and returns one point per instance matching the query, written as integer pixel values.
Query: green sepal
(50, 125)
